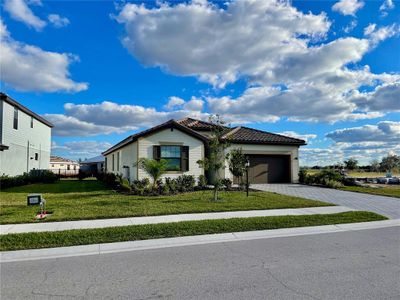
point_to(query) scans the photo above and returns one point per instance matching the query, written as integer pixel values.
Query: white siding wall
(128, 157)
(175, 137)
(293, 151)
(18, 159)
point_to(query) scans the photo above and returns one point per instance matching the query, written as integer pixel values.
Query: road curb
(96, 249)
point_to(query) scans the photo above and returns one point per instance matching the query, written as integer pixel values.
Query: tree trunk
(215, 193)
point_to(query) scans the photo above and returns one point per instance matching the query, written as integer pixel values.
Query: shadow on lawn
(62, 186)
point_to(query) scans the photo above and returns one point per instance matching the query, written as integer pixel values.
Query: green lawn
(383, 190)
(90, 199)
(152, 231)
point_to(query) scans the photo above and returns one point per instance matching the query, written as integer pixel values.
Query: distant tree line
(389, 163)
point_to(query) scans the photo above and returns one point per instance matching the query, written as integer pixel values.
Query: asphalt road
(348, 265)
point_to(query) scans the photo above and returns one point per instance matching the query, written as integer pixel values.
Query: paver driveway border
(383, 205)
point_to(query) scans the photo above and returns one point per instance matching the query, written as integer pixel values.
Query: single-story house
(93, 165)
(273, 157)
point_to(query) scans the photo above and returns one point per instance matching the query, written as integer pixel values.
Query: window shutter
(185, 158)
(156, 152)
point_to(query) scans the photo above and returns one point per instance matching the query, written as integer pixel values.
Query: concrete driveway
(387, 206)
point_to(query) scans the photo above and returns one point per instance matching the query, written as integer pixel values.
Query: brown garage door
(269, 168)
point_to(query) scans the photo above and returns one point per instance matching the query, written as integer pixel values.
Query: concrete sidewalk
(102, 223)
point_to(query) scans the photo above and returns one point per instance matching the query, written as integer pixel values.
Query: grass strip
(187, 228)
(386, 190)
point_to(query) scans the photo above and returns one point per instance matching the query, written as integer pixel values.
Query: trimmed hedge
(34, 176)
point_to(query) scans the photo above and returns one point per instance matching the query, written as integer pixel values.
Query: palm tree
(154, 168)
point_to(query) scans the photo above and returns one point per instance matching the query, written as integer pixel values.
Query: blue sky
(328, 71)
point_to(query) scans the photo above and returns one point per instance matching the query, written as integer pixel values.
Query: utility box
(34, 199)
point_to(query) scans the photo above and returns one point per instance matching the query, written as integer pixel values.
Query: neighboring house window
(118, 157)
(68, 167)
(52, 166)
(113, 162)
(61, 165)
(15, 125)
(36, 156)
(31, 122)
(74, 167)
(176, 156)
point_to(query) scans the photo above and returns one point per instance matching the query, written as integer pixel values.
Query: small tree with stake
(237, 163)
(216, 158)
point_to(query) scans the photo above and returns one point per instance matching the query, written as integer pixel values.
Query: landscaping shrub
(185, 183)
(332, 184)
(109, 179)
(329, 174)
(226, 183)
(202, 182)
(302, 175)
(170, 186)
(140, 187)
(82, 175)
(125, 186)
(326, 177)
(34, 176)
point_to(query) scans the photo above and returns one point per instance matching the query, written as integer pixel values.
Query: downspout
(27, 159)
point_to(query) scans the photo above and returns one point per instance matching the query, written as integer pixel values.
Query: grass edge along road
(385, 190)
(154, 231)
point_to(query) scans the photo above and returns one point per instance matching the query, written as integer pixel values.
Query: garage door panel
(269, 169)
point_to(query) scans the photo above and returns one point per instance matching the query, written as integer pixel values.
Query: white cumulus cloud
(29, 68)
(347, 7)
(58, 21)
(248, 38)
(20, 11)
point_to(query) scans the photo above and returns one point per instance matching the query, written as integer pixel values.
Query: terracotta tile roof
(246, 135)
(243, 134)
(58, 159)
(196, 124)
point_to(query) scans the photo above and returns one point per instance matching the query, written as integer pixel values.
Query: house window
(52, 166)
(118, 157)
(176, 156)
(15, 125)
(105, 163)
(74, 167)
(36, 156)
(31, 122)
(112, 162)
(61, 165)
(68, 167)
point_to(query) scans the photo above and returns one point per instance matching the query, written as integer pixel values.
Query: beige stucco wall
(175, 137)
(20, 158)
(293, 151)
(128, 158)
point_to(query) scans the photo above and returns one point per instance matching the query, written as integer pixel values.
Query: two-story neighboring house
(25, 138)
